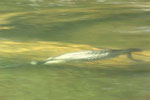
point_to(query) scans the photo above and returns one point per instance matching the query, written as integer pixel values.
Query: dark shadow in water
(61, 31)
(113, 71)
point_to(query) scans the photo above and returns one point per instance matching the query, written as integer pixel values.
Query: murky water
(37, 29)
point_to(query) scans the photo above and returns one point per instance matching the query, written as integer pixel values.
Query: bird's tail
(33, 62)
(37, 62)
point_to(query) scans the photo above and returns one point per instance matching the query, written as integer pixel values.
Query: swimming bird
(88, 55)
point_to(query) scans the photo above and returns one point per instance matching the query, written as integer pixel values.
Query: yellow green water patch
(40, 50)
(54, 15)
(6, 28)
(4, 18)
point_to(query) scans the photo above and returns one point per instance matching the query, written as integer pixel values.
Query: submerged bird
(89, 55)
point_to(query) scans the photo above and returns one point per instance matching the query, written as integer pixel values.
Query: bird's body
(89, 55)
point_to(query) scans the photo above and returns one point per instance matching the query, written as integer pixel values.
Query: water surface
(37, 29)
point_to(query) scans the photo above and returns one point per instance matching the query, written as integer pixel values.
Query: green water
(37, 29)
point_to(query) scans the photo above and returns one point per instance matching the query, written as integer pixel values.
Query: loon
(89, 55)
